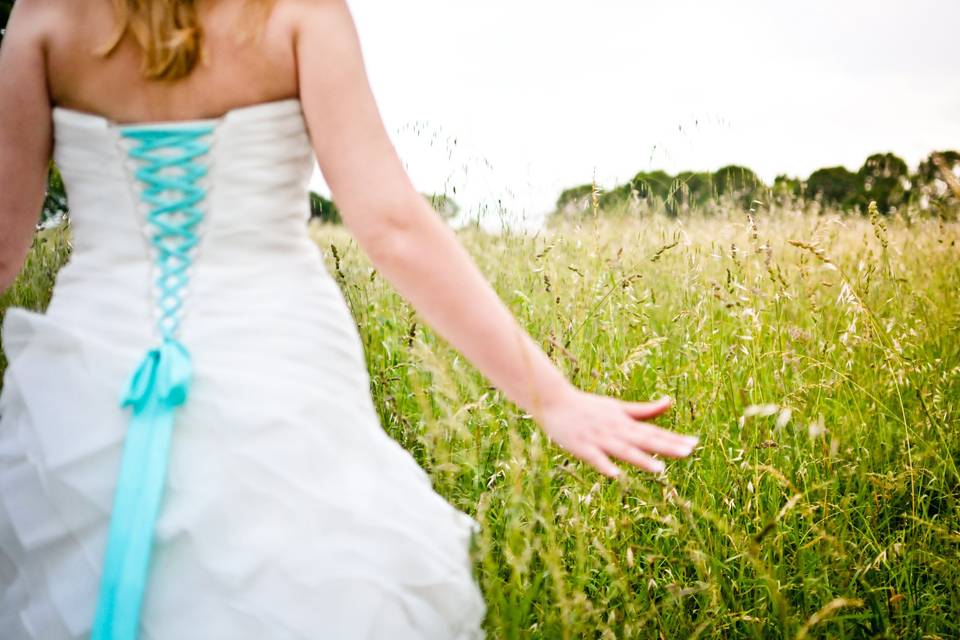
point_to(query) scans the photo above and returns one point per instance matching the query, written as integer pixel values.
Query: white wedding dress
(287, 511)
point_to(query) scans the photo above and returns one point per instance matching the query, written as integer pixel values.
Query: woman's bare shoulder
(236, 70)
(35, 19)
(313, 13)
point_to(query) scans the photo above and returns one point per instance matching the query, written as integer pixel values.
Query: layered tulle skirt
(288, 511)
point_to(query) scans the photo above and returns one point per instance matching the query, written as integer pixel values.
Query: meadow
(817, 356)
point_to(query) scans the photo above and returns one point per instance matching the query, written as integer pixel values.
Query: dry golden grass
(816, 355)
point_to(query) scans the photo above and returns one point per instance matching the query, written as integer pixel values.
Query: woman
(188, 446)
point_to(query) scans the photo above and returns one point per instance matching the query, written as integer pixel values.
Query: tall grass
(816, 355)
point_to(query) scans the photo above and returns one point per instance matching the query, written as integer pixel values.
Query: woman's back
(252, 454)
(240, 68)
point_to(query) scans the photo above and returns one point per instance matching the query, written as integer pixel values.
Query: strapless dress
(191, 416)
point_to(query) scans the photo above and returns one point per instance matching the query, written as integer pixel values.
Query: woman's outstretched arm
(25, 134)
(421, 257)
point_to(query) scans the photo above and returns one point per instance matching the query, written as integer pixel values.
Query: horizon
(515, 103)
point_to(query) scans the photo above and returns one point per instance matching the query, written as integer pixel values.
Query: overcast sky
(512, 101)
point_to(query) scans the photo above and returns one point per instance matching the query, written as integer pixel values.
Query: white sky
(512, 101)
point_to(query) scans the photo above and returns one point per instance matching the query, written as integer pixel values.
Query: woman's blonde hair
(170, 34)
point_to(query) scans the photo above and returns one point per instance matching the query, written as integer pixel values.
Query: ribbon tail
(132, 522)
(159, 385)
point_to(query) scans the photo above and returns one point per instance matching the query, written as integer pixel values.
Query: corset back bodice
(252, 167)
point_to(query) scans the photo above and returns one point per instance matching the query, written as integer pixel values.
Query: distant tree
(833, 185)
(883, 178)
(931, 187)
(324, 209)
(693, 188)
(652, 186)
(443, 204)
(656, 186)
(5, 7)
(574, 200)
(734, 178)
(649, 184)
(950, 173)
(928, 171)
(784, 185)
(739, 183)
(55, 202)
(617, 196)
(936, 184)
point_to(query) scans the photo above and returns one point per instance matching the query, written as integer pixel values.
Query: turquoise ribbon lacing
(162, 380)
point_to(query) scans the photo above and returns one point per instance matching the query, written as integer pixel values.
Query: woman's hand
(594, 427)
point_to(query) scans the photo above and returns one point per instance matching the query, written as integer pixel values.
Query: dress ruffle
(287, 510)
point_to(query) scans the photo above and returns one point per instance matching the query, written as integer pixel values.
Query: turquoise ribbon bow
(164, 373)
(159, 385)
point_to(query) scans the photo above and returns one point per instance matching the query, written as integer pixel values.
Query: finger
(630, 453)
(647, 410)
(601, 462)
(653, 431)
(652, 439)
(655, 443)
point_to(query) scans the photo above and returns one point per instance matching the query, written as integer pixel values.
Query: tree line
(884, 178)
(325, 210)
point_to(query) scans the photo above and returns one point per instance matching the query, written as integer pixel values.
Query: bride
(188, 445)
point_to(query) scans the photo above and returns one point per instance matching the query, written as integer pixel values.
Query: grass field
(817, 357)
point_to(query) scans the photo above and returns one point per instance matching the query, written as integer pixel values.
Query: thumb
(646, 410)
